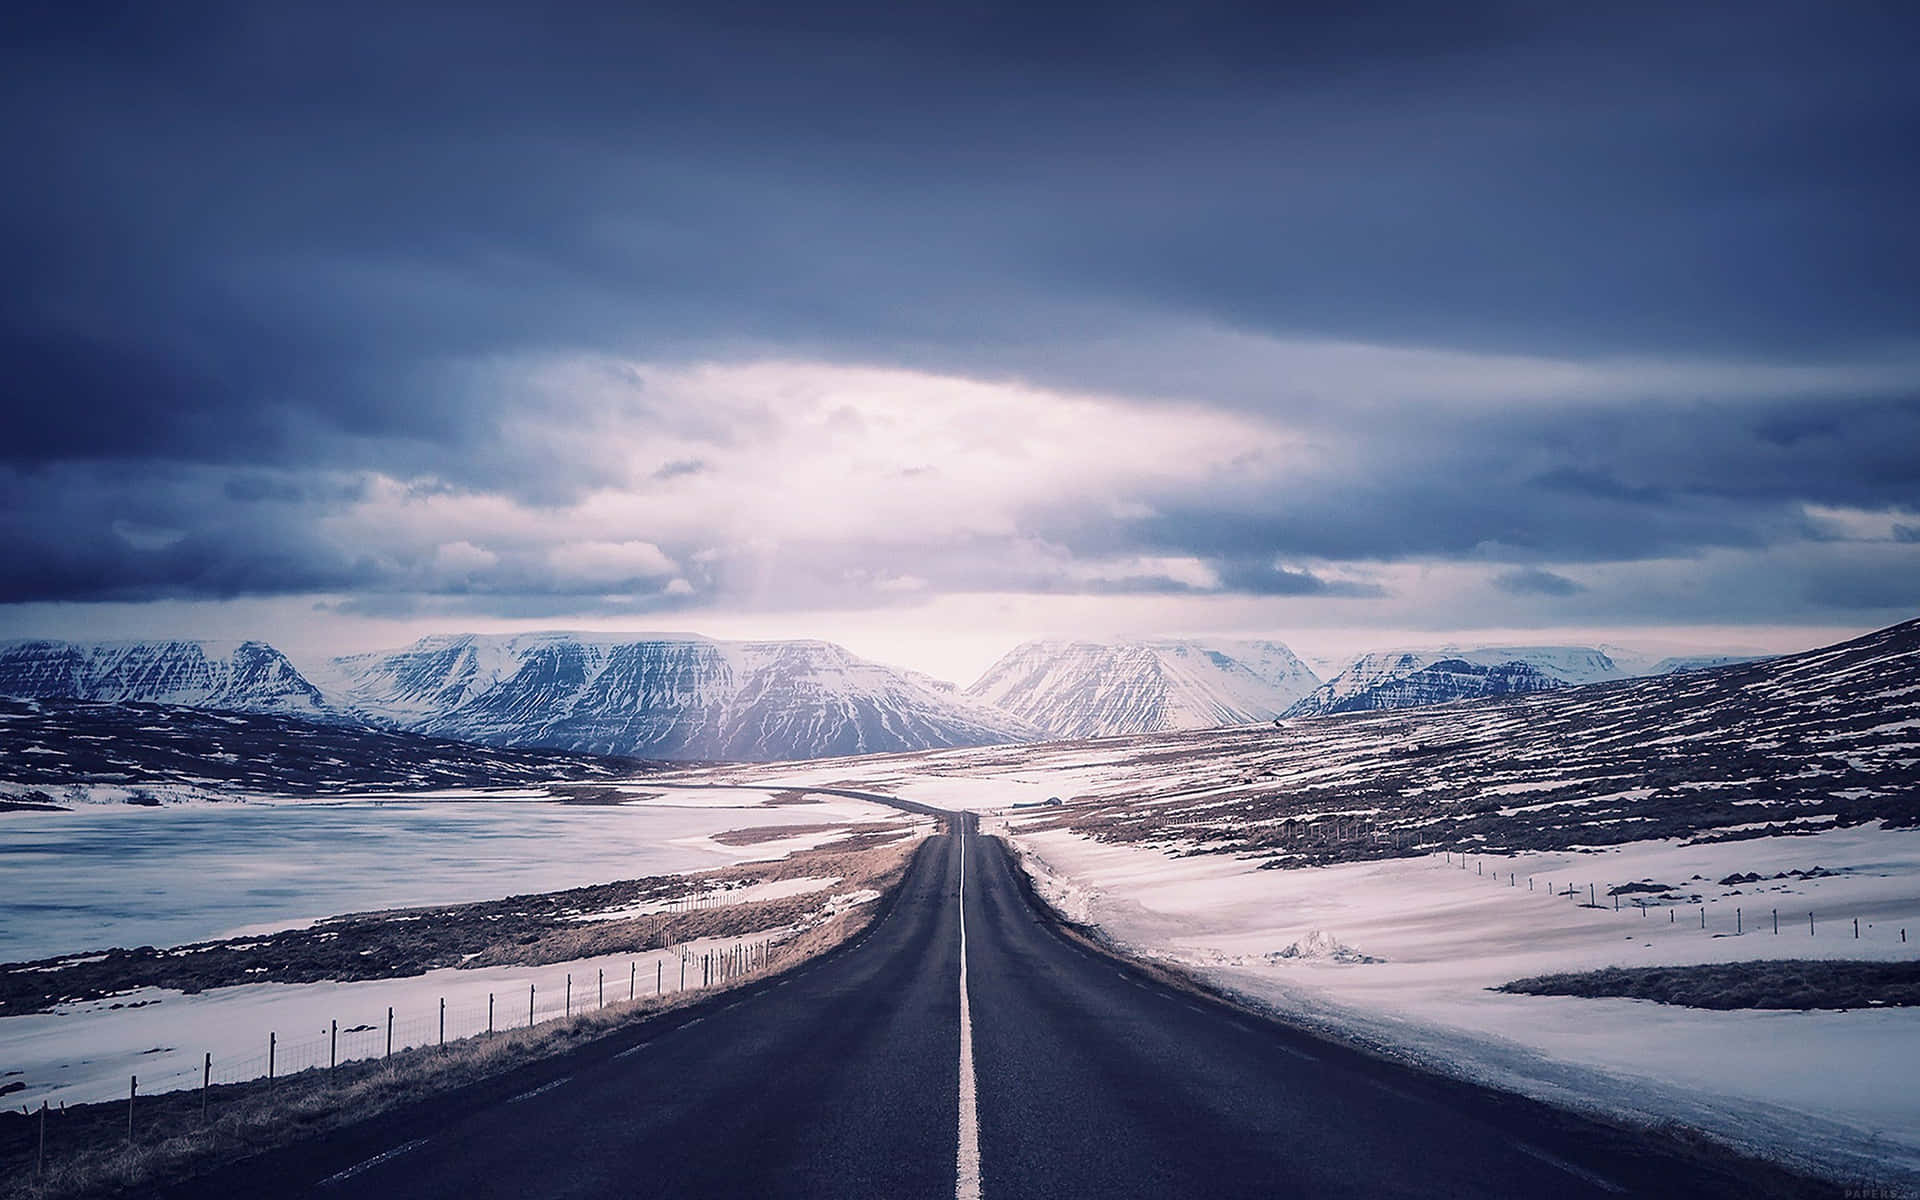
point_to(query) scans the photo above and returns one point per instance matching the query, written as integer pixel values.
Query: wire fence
(560, 995)
(1644, 898)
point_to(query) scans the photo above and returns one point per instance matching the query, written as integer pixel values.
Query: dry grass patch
(772, 833)
(1777, 984)
(797, 797)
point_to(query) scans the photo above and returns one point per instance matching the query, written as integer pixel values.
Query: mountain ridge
(1076, 689)
(681, 696)
(1409, 677)
(239, 676)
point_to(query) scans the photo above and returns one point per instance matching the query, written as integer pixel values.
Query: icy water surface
(88, 880)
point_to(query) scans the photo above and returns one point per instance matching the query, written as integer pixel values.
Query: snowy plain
(1832, 1091)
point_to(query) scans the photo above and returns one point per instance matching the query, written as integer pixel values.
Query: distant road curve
(843, 1079)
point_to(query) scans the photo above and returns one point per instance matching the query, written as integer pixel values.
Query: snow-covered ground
(119, 875)
(1832, 1090)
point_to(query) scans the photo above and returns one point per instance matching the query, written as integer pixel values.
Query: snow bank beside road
(1830, 1090)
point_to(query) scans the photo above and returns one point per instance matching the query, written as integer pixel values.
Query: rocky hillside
(50, 748)
(1824, 739)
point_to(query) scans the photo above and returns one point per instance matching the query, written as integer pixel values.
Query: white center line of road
(373, 1162)
(1552, 1160)
(966, 1182)
(545, 1087)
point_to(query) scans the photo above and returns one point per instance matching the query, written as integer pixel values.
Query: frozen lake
(123, 876)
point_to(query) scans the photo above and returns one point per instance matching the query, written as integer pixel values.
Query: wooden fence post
(133, 1089)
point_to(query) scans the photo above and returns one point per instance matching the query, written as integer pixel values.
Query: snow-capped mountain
(663, 696)
(237, 676)
(1703, 662)
(1374, 680)
(674, 696)
(1438, 683)
(1676, 664)
(1093, 689)
(1404, 678)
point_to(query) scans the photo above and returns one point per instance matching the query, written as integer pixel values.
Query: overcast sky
(929, 331)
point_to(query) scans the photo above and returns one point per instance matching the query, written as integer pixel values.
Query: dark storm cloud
(1532, 581)
(292, 242)
(1598, 483)
(679, 467)
(1251, 578)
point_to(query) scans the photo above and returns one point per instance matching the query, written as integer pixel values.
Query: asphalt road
(843, 1079)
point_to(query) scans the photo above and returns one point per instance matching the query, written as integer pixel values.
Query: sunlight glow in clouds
(814, 480)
